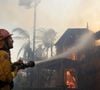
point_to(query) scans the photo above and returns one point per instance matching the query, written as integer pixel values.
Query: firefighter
(6, 74)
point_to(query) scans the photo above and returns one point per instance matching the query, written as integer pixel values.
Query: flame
(97, 42)
(69, 79)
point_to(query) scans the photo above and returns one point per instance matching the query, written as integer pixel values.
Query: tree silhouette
(26, 47)
(44, 37)
(48, 39)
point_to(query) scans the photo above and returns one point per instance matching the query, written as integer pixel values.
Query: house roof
(97, 35)
(71, 35)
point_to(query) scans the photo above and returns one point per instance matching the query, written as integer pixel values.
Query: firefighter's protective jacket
(5, 70)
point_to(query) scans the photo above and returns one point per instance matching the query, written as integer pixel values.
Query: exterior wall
(76, 56)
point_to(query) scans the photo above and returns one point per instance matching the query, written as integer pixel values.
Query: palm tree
(48, 39)
(23, 34)
(44, 37)
(26, 47)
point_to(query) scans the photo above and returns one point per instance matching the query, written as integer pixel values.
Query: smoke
(83, 12)
(28, 3)
(81, 44)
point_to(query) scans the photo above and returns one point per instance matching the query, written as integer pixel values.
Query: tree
(44, 37)
(23, 34)
(26, 47)
(48, 39)
(40, 52)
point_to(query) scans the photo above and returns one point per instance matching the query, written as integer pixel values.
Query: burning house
(69, 74)
(81, 39)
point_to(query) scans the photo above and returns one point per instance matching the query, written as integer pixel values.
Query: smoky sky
(85, 11)
(3, 1)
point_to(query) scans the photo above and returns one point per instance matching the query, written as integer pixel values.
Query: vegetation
(44, 40)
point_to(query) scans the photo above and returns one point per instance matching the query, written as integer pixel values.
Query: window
(70, 79)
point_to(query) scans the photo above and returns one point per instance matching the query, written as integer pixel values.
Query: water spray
(81, 44)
